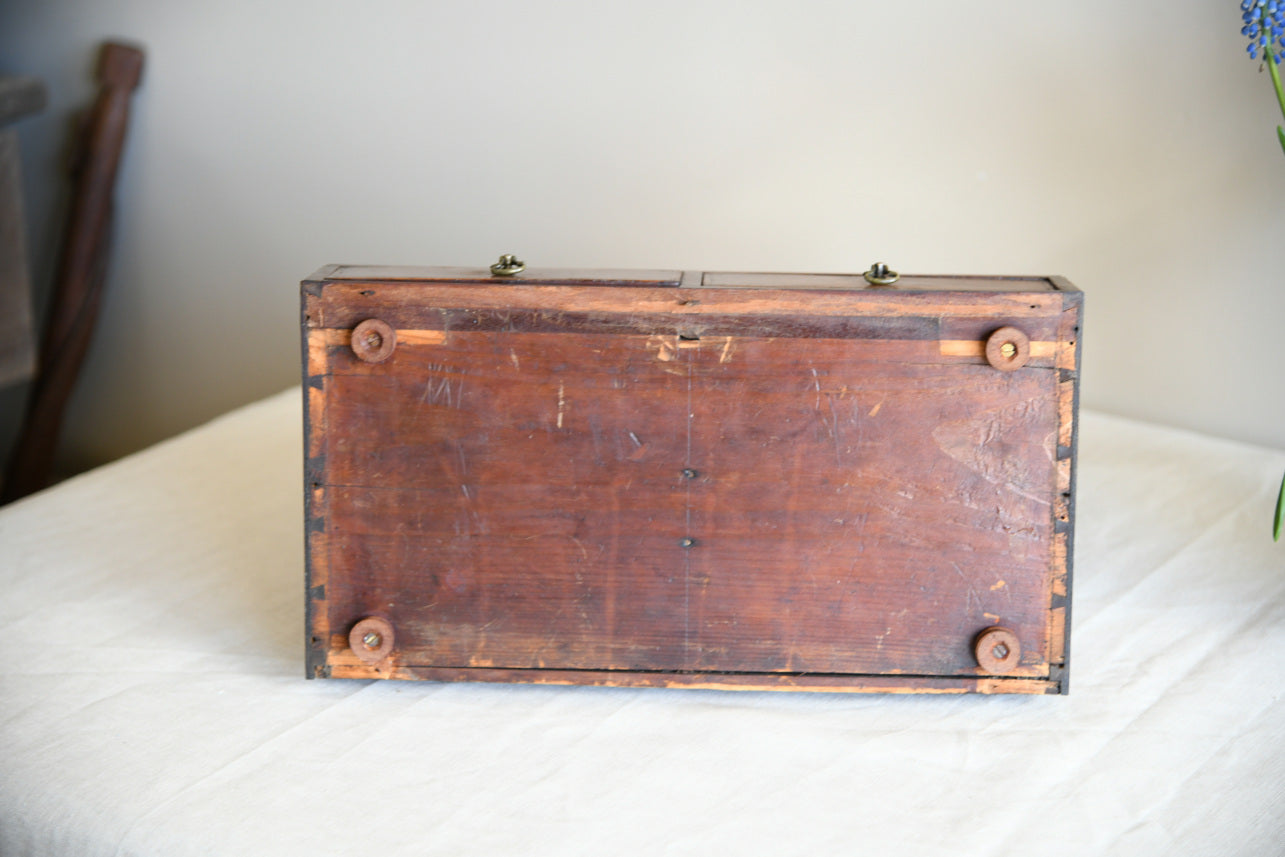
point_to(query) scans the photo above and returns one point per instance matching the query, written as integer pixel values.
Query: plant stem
(1279, 521)
(1276, 78)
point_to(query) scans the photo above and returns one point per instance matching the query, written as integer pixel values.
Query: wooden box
(686, 479)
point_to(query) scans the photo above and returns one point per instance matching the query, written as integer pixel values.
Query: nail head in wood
(371, 639)
(997, 650)
(1008, 349)
(373, 341)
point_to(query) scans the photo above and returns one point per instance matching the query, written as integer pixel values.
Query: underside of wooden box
(743, 481)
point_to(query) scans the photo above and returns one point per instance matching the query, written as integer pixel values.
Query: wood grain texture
(781, 498)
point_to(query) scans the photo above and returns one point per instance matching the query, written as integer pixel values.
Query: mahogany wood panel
(721, 487)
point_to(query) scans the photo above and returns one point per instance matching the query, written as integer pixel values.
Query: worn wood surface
(724, 487)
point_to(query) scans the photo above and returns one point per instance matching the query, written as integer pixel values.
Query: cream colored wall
(1129, 146)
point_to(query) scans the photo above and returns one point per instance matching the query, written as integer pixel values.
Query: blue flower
(1264, 27)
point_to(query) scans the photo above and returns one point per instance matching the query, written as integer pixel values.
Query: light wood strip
(1066, 412)
(977, 348)
(331, 337)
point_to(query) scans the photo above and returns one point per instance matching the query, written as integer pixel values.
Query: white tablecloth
(152, 700)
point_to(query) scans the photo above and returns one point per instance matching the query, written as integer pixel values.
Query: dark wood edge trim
(321, 275)
(1076, 299)
(814, 682)
(307, 480)
(315, 654)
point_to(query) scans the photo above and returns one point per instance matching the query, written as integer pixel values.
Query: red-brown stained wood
(716, 486)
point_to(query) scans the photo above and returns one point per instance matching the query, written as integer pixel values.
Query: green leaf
(1280, 132)
(1280, 513)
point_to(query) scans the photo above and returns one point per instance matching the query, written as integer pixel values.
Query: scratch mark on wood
(439, 390)
(555, 626)
(664, 347)
(990, 444)
(462, 457)
(562, 402)
(834, 429)
(640, 448)
(972, 592)
(725, 355)
(513, 358)
(595, 432)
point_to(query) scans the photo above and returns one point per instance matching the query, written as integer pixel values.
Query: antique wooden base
(651, 478)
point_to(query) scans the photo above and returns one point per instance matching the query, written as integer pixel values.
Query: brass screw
(1000, 651)
(688, 473)
(372, 640)
(508, 266)
(374, 340)
(687, 542)
(1008, 349)
(880, 275)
